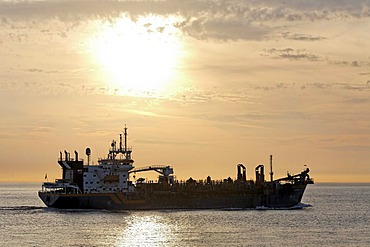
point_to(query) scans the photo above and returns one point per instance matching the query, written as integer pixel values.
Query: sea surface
(338, 215)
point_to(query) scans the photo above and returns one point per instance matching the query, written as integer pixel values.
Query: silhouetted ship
(107, 185)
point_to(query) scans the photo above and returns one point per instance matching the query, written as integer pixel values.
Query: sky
(201, 85)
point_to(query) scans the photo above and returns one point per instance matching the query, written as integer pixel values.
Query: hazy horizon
(201, 85)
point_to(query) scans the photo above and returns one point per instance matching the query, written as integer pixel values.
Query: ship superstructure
(107, 185)
(111, 173)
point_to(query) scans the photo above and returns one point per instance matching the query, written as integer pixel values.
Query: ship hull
(170, 200)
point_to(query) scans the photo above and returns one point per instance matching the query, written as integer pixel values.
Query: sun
(137, 57)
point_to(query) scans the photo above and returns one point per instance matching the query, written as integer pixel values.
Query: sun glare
(137, 57)
(145, 230)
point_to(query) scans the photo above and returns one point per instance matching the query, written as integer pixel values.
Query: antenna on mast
(271, 172)
(120, 142)
(125, 139)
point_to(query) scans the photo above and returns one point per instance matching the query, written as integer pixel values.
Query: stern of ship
(51, 193)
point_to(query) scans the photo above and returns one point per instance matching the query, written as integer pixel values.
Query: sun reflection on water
(145, 231)
(137, 56)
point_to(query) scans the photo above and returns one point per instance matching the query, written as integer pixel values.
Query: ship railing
(117, 162)
(148, 168)
(213, 182)
(63, 188)
(201, 182)
(62, 181)
(70, 159)
(201, 185)
(310, 181)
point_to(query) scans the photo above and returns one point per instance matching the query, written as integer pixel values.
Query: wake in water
(20, 208)
(298, 206)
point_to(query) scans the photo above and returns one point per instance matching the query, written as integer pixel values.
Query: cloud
(353, 63)
(35, 70)
(324, 86)
(301, 37)
(209, 19)
(351, 148)
(291, 54)
(353, 87)
(217, 20)
(223, 29)
(275, 86)
(303, 55)
(317, 85)
(36, 87)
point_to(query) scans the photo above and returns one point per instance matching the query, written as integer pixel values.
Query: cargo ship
(112, 184)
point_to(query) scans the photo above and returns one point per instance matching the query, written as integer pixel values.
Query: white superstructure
(111, 174)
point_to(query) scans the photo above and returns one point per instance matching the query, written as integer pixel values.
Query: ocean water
(339, 215)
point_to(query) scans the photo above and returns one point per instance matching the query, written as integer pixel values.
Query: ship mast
(127, 151)
(271, 172)
(125, 138)
(122, 149)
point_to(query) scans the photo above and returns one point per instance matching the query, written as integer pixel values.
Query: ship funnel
(260, 176)
(76, 155)
(242, 176)
(65, 155)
